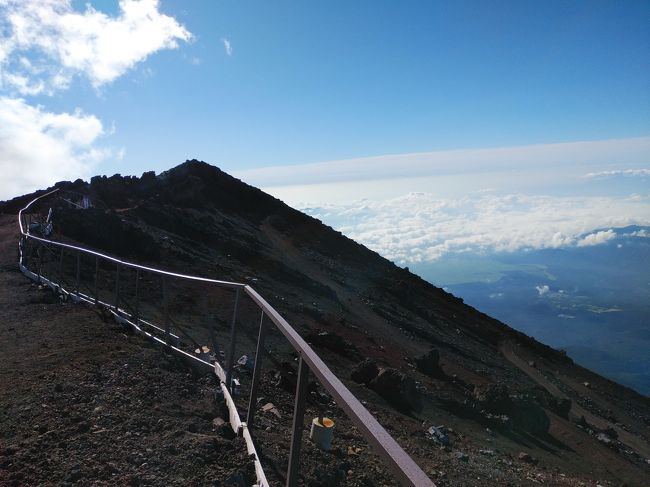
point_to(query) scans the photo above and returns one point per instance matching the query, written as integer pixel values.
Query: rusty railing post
(298, 424)
(233, 337)
(259, 354)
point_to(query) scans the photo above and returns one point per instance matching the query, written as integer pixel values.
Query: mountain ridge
(202, 220)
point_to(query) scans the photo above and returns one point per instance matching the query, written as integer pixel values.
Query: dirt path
(83, 402)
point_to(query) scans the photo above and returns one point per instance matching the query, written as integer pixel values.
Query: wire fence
(166, 305)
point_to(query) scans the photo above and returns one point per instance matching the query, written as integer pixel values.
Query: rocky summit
(473, 401)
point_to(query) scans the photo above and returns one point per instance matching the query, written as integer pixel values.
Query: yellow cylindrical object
(322, 433)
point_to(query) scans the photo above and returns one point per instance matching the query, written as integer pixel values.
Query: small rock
(439, 435)
(270, 407)
(459, 455)
(354, 450)
(246, 362)
(525, 457)
(611, 432)
(604, 439)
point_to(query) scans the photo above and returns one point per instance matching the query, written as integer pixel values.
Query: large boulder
(494, 398)
(524, 409)
(332, 341)
(529, 416)
(398, 389)
(559, 405)
(429, 363)
(364, 371)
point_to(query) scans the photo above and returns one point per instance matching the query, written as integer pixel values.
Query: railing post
(298, 424)
(259, 353)
(166, 310)
(117, 287)
(78, 275)
(136, 317)
(96, 280)
(61, 271)
(40, 260)
(233, 336)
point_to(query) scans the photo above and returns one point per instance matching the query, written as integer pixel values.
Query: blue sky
(145, 85)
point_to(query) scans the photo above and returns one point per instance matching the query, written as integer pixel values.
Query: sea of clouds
(420, 227)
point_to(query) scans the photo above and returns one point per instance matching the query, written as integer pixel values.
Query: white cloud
(639, 233)
(38, 147)
(542, 290)
(58, 42)
(421, 227)
(43, 45)
(596, 238)
(619, 172)
(227, 46)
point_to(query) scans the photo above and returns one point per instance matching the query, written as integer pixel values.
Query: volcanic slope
(512, 410)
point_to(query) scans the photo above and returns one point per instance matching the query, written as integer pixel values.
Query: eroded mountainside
(513, 411)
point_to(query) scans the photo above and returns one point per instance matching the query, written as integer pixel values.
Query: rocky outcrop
(364, 372)
(429, 363)
(399, 389)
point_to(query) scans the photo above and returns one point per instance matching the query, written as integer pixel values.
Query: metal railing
(397, 460)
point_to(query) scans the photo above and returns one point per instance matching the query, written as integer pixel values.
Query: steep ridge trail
(402, 465)
(502, 425)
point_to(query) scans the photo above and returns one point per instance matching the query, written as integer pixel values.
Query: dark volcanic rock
(526, 413)
(398, 389)
(365, 371)
(529, 416)
(331, 341)
(429, 363)
(494, 398)
(527, 458)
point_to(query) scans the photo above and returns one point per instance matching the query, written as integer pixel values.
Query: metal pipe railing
(397, 460)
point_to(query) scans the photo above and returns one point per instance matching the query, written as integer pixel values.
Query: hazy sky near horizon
(327, 103)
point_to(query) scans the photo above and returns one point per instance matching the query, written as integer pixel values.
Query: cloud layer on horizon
(420, 228)
(582, 157)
